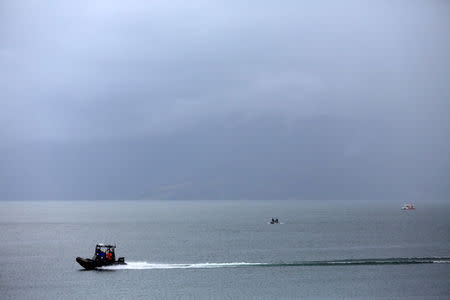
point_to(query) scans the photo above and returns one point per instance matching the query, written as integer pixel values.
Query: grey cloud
(374, 74)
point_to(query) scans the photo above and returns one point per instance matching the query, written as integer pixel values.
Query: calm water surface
(225, 250)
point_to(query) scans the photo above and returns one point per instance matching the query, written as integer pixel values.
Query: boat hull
(90, 264)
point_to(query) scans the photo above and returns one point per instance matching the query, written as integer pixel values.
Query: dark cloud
(224, 99)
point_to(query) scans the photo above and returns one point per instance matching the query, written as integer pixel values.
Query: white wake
(143, 265)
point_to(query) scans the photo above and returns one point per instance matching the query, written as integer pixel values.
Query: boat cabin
(105, 252)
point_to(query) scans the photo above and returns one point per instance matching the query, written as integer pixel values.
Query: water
(226, 250)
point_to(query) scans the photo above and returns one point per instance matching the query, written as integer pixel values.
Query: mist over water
(222, 101)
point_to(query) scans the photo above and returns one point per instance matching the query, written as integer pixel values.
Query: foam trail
(343, 262)
(142, 265)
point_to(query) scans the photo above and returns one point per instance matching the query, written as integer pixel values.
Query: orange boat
(408, 206)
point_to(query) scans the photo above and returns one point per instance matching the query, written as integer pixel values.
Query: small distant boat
(408, 206)
(104, 256)
(274, 221)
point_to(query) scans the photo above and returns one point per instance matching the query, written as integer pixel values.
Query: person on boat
(102, 255)
(98, 252)
(109, 255)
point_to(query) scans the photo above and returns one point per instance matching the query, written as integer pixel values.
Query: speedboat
(408, 206)
(104, 256)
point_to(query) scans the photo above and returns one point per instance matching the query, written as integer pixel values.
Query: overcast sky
(225, 100)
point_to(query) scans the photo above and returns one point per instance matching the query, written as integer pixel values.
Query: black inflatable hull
(90, 264)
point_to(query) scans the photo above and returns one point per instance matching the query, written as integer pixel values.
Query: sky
(316, 100)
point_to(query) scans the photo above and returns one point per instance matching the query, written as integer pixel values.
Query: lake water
(226, 250)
